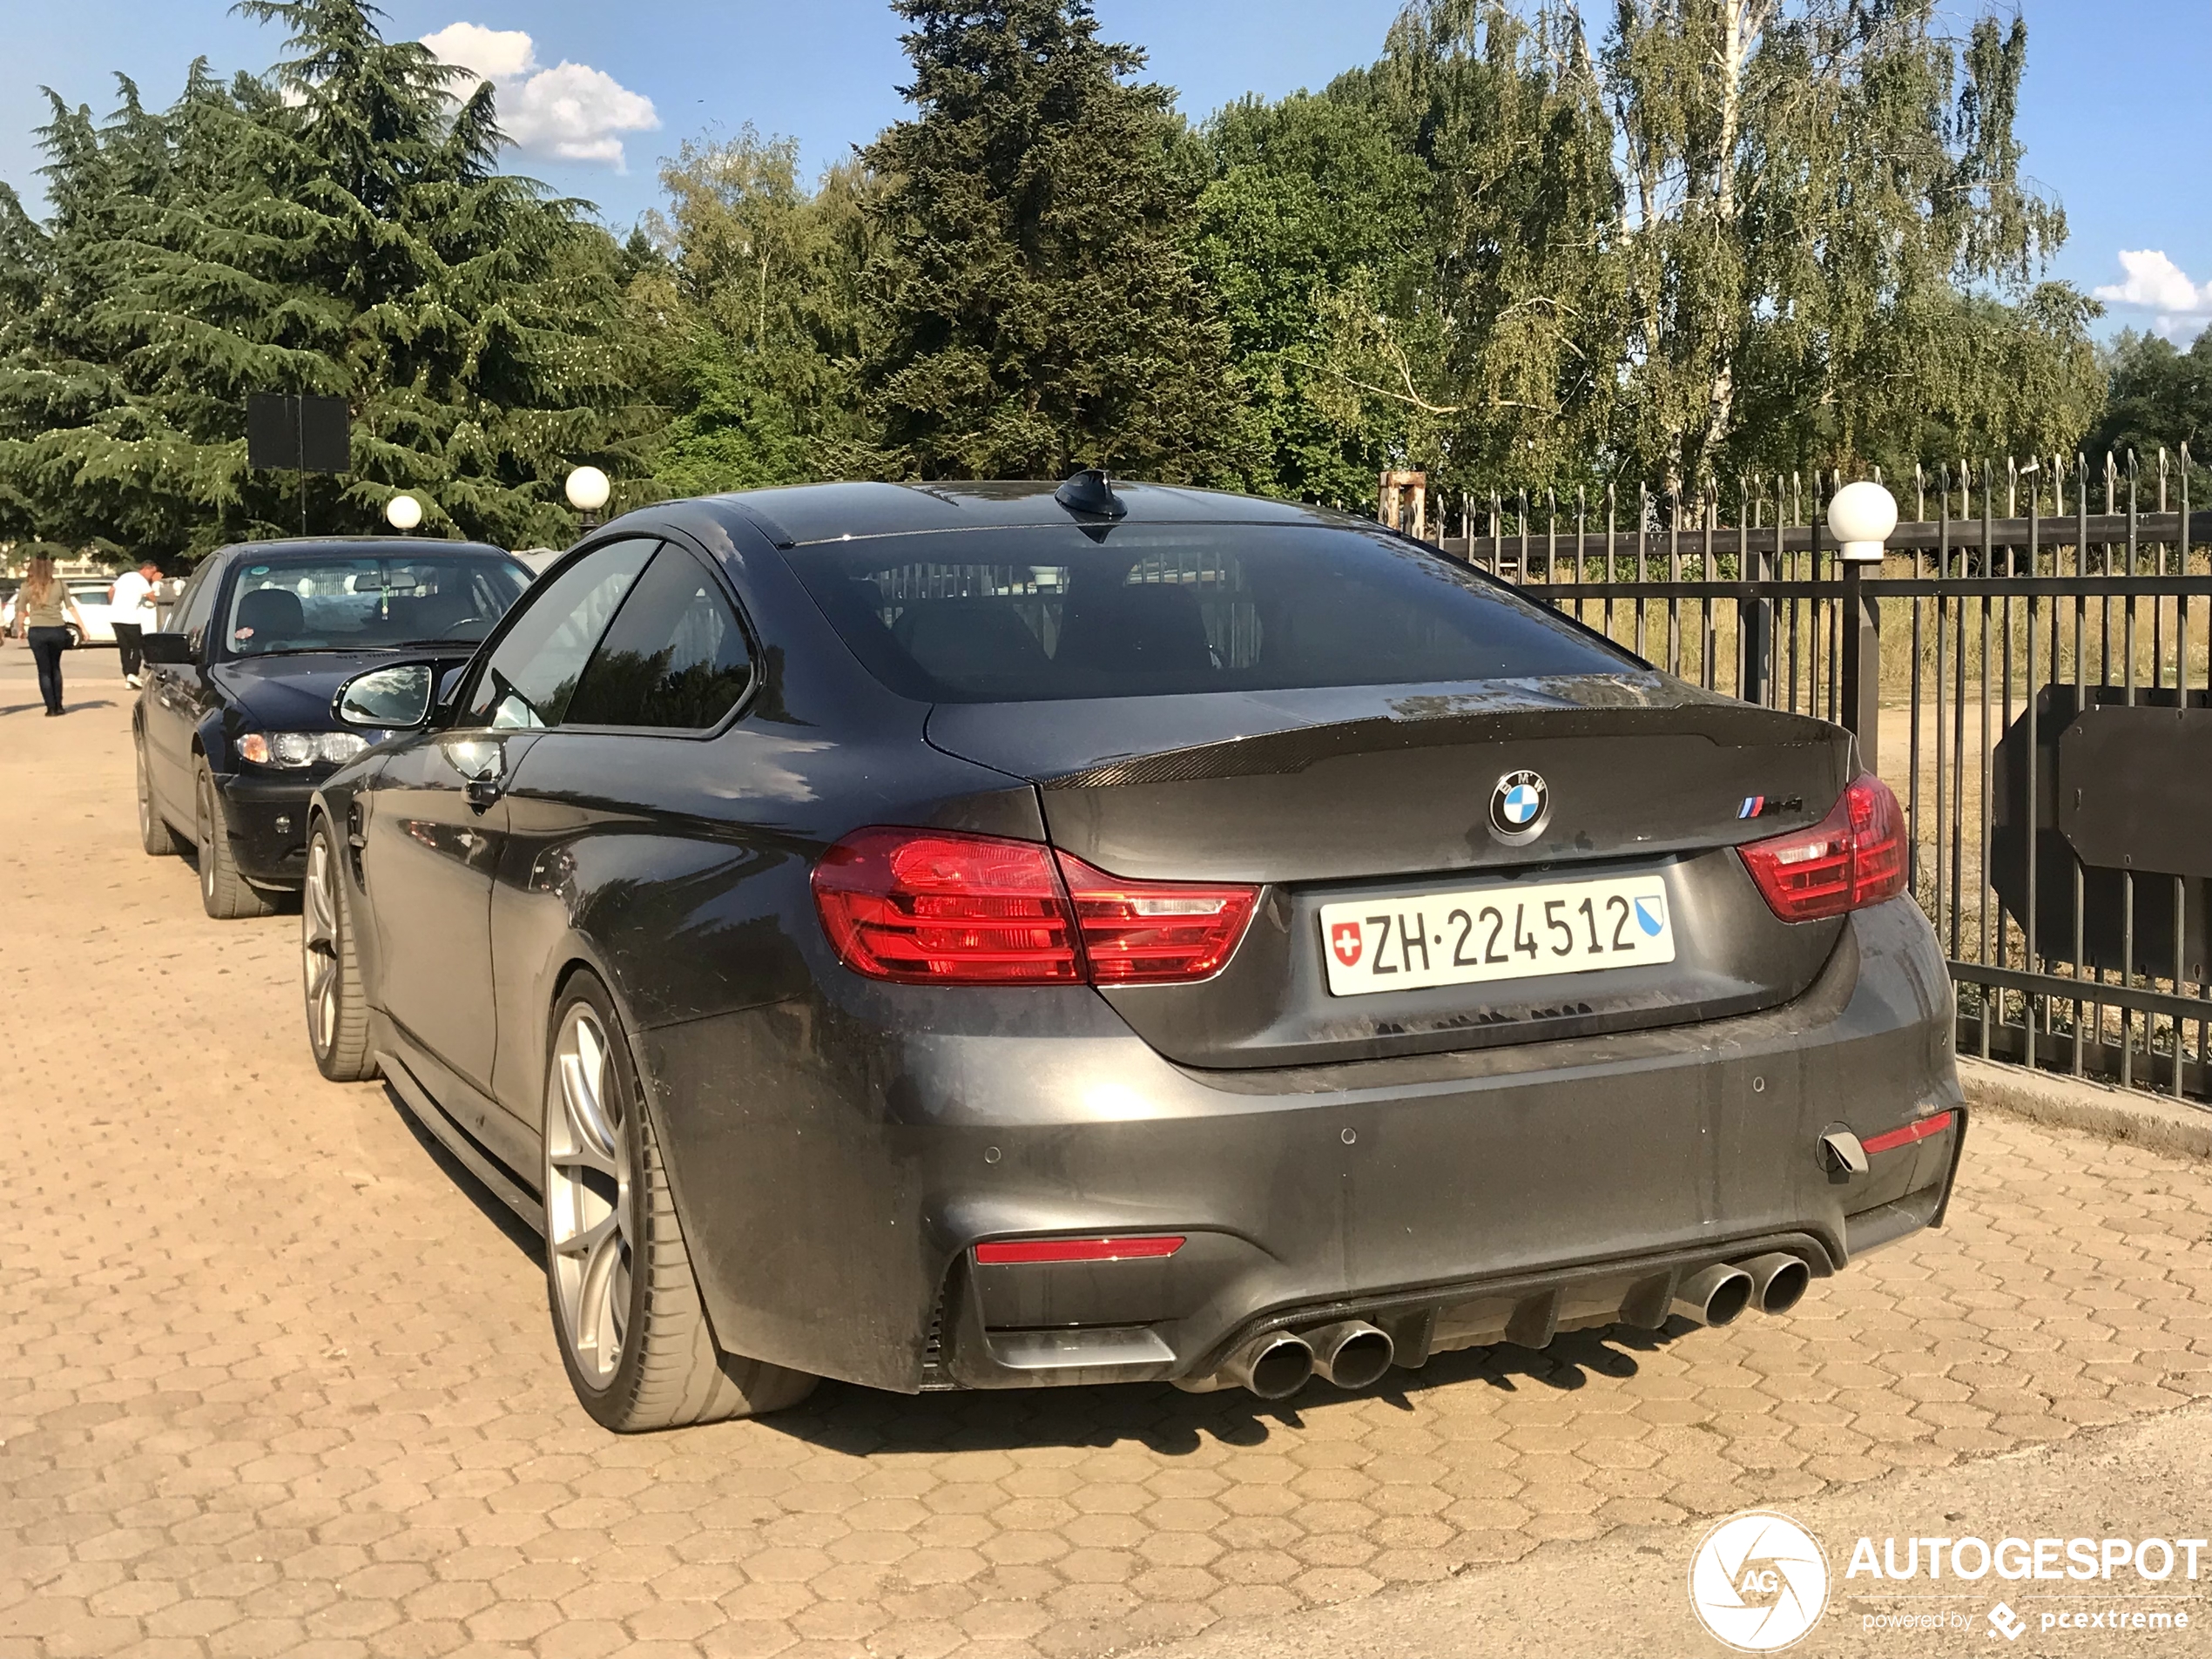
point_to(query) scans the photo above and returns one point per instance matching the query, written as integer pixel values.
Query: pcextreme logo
(1758, 1581)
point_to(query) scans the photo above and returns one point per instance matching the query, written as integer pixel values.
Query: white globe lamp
(1860, 517)
(403, 513)
(587, 491)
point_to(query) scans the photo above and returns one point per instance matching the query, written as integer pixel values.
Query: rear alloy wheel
(329, 972)
(224, 894)
(626, 1310)
(155, 836)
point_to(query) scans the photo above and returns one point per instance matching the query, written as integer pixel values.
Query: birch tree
(1829, 249)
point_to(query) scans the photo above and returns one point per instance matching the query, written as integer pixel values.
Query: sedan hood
(294, 693)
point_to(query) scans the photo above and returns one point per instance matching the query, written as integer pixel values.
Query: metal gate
(2029, 675)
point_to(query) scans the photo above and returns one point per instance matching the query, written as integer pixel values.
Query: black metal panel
(2135, 787)
(309, 433)
(272, 431)
(2105, 787)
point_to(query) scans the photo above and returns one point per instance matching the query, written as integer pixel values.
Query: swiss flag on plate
(1343, 938)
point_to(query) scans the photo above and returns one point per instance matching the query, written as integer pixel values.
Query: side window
(675, 660)
(197, 603)
(533, 672)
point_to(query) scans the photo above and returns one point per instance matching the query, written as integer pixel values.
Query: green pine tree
(1034, 306)
(336, 228)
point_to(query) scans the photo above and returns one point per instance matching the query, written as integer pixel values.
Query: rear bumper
(835, 1165)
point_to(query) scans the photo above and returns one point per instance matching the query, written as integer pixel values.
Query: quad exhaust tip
(1274, 1366)
(1778, 1282)
(1714, 1296)
(1351, 1354)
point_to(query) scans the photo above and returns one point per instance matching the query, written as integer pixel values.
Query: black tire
(155, 837)
(603, 1178)
(330, 974)
(224, 894)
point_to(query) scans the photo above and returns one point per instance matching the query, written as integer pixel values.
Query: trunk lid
(1383, 795)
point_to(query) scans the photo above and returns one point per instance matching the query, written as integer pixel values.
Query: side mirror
(389, 700)
(172, 649)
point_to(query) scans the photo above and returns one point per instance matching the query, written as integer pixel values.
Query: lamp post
(403, 513)
(1860, 517)
(587, 491)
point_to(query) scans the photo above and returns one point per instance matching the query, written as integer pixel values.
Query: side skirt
(480, 1160)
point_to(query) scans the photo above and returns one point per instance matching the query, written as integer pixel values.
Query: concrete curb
(2070, 1102)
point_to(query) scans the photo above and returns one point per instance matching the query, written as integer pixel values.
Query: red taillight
(1855, 856)
(946, 909)
(935, 907)
(1153, 933)
(1908, 1134)
(1011, 1251)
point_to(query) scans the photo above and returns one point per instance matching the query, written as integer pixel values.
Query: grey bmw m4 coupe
(1000, 935)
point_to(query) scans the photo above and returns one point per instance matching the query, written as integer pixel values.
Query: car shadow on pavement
(1170, 1423)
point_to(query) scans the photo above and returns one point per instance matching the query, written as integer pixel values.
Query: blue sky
(2112, 113)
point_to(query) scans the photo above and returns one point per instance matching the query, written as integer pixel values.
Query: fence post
(1860, 517)
(1754, 620)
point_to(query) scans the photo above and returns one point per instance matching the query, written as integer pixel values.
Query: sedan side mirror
(174, 649)
(388, 699)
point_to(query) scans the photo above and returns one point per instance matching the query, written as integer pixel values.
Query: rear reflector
(1011, 1251)
(935, 907)
(1891, 1139)
(1853, 857)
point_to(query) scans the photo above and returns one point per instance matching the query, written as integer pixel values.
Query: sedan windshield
(1019, 615)
(368, 604)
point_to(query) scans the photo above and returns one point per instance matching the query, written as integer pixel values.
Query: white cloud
(570, 111)
(495, 54)
(2156, 284)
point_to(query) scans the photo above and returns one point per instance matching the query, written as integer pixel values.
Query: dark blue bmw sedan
(233, 727)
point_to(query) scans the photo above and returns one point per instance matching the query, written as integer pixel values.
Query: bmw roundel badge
(1520, 807)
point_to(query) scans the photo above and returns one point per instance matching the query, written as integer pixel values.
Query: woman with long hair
(43, 611)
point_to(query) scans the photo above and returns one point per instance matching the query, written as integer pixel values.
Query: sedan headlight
(297, 749)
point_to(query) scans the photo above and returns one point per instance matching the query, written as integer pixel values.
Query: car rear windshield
(368, 604)
(1021, 614)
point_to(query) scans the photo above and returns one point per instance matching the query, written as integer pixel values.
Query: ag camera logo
(1759, 1581)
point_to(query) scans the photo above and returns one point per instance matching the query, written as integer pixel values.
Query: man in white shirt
(130, 599)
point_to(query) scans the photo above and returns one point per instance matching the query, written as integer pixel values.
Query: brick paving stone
(281, 1381)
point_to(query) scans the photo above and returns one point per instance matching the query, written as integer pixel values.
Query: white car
(91, 594)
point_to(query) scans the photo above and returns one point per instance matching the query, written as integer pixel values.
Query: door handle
(483, 793)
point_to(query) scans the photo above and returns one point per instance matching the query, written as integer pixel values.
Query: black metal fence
(2027, 669)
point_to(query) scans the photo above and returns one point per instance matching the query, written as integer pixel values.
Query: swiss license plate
(1507, 931)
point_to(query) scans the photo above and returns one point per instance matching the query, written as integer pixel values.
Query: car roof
(798, 514)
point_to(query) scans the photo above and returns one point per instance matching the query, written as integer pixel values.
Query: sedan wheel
(154, 834)
(634, 1338)
(329, 972)
(590, 1209)
(224, 894)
